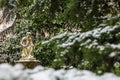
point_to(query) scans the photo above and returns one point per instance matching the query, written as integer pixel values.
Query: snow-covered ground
(8, 72)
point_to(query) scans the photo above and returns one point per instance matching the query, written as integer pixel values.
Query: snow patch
(8, 72)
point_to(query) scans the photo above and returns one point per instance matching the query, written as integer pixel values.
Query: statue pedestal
(28, 63)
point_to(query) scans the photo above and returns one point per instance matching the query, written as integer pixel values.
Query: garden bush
(95, 50)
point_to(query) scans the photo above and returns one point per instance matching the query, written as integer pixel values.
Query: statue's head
(28, 34)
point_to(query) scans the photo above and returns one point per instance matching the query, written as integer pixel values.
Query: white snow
(96, 33)
(113, 54)
(114, 46)
(101, 47)
(83, 38)
(56, 37)
(8, 72)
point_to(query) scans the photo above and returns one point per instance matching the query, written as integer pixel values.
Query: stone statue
(28, 47)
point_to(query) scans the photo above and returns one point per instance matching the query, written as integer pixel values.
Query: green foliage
(98, 21)
(96, 50)
(3, 3)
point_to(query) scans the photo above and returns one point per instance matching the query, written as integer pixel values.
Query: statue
(27, 57)
(28, 47)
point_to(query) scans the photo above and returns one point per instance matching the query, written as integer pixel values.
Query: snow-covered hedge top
(73, 37)
(88, 39)
(8, 72)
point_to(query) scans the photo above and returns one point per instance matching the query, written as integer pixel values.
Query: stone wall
(7, 20)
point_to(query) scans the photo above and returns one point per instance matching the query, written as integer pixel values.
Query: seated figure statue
(28, 47)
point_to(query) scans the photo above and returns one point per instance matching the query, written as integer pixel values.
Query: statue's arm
(24, 39)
